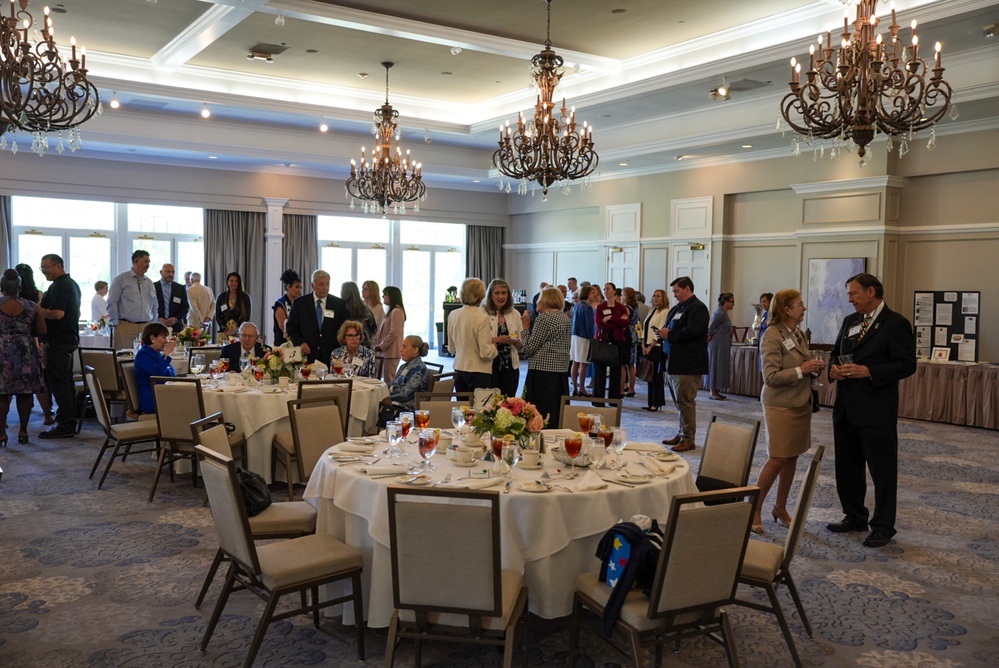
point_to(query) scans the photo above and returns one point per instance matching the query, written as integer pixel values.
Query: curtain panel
(300, 250)
(6, 232)
(484, 252)
(234, 241)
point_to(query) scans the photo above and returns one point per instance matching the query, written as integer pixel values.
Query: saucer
(463, 464)
(666, 456)
(535, 487)
(636, 479)
(531, 468)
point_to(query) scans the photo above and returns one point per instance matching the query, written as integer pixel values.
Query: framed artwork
(826, 298)
(941, 354)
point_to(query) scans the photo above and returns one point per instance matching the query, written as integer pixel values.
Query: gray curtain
(6, 232)
(484, 252)
(234, 241)
(300, 250)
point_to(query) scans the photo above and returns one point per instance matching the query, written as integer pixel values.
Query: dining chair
(126, 368)
(485, 603)
(441, 382)
(341, 388)
(440, 404)
(211, 354)
(768, 565)
(298, 565)
(103, 362)
(379, 367)
(179, 402)
(325, 412)
(728, 452)
(118, 434)
(434, 368)
(697, 574)
(282, 519)
(609, 411)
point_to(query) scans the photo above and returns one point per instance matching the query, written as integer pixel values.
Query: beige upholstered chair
(103, 362)
(299, 565)
(379, 367)
(324, 429)
(489, 602)
(126, 368)
(768, 565)
(608, 409)
(179, 402)
(211, 354)
(119, 434)
(440, 404)
(441, 382)
(283, 519)
(702, 554)
(728, 452)
(433, 368)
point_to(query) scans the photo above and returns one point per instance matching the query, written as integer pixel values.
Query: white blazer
(513, 325)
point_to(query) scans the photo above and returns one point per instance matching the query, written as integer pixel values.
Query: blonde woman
(369, 293)
(505, 325)
(652, 348)
(470, 340)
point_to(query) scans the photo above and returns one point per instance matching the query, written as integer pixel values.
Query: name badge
(608, 311)
(329, 313)
(854, 331)
(176, 300)
(677, 317)
(789, 344)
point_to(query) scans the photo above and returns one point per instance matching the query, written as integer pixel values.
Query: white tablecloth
(550, 537)
(260, 415)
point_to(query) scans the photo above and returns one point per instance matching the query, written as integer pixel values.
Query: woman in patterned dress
(292, 283)
(546, 344)
(360, 358)
(720, 347)
(20, 371)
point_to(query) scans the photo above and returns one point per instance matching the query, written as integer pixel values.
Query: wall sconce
(616, 249)
(696, 247)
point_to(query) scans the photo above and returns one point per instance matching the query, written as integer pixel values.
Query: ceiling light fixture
(871, 84)
(389, 179)
(114, 103)
(723, 92)
(279, 20)
(547, 150)
(41, 92)
(205, 111)
(260, 55)
(323, 125)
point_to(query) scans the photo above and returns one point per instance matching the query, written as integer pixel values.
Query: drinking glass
(620, 441)
(197, 363)
(306, 371)
(217, 371)
(428, 448)
(816, 376)
(607, 434)
(422, 419)
(244, 363)
(337, 365)
(511, 455)
(321, 372)
(393, 431)
(595, 421)
(457, 418)
(573, 445)
(407, 423)
(348, 370)
(258, 373)
(584, 422)
(224, 364)
(845, 359)
(597, 449)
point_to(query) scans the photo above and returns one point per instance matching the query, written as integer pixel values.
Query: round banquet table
(550, 537)
(261, 413)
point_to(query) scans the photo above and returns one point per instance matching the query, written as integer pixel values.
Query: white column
(273, 244)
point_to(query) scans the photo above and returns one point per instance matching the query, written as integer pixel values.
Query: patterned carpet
(101, 578)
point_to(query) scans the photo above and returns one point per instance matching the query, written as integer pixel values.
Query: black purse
(256, 494)
(604, 353)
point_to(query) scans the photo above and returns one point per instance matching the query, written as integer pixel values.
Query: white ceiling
(640, 72)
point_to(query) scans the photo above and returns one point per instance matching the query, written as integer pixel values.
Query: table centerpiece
(193, 336)
(510, 417)
(282, 361)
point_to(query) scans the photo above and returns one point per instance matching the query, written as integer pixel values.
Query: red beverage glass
(584, 422)
(406, 426)
(306, 372)
(607, 435)
(258, 373)
(428, 444)
(573, 444)
(498, 442)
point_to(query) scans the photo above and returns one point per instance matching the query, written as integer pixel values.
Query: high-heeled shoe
(757, 529)
(784, 519)
(22, 437)
(49, 419)
(3, 440)
(651, 409)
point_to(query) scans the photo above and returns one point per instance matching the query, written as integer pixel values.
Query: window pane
(416, 292)
(431, 234)
(371, 266)
(190, 257)
(158, 219)
(89, 262)
(449, 269)
(42, 212)
(31, 248)
(337, 262)
(334, 228)
(160, 252)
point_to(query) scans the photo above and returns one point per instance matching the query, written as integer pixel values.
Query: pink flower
(536, 423)
(516, 409)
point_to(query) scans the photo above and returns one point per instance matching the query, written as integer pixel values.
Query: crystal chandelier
(547, 151)
(40, 92)
(388, 179)
(872, 83)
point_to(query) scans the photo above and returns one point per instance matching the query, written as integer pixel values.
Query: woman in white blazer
(505, 326)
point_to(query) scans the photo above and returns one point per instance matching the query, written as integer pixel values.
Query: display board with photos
(946, 324)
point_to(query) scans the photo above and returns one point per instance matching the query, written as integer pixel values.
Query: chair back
(341, 388)
(315, 426)
(434, 368)
(703, 548)
(179, 402)
(211, 354)
(728, 452)
(440, 404)
(609, 411)
(797, 529)
(420, 521)
(228, 510)
(210, 432)
(441, 382)
(103, 362)
(127, 370)
(379, 367)
(96, 392)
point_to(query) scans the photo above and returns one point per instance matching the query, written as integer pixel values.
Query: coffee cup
(460, 454)
(531, 458)
(444, 442)
(283, 381)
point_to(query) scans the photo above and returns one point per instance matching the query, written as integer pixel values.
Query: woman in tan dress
(787, 400)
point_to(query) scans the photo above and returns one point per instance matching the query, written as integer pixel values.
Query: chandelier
(40, 92)
(547, 151)
(388, 179)
(872, 83)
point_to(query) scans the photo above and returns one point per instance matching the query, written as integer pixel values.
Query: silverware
(445, 481)
(563, 487)
(617, 482)
(378, 476)
(509, 483)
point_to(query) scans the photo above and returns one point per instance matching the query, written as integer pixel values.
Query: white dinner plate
(666, 456)
(344, 458)
(423, 479)
(636, 478)
(532, 486)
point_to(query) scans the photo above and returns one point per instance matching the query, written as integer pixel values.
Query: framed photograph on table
(941, 355)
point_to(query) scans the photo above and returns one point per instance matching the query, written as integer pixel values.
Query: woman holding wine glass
(153, 359)
(292, 284)
(351, 353)
(232, 306)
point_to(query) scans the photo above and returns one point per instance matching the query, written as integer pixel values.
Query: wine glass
(511, 455)
(407, 423)
(216, 371)
(457, 418)
(428, 448)
(584, 422)
(321, 371)
(393, 431)
(244, 364)
(597, 450)
(258, 373)
(337, 365)
(348, 370)
(607, 434)
(422, 419)
(306, 371)
(573, 445)
(197, 363)
(816, 375)
(620, 440)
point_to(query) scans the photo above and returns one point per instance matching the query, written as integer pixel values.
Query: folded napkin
(231, 388)
(385, 469)
(644, 447)
(477, 483)
(590, 482)
(356, 447)
(655, 467)
(549, 434)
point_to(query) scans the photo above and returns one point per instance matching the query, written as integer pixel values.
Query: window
(170, 234)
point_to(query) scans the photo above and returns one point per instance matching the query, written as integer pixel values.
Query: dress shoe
(781, 518)
(58, 432)
(683, 446)
(757, 529)
(651, 409)
(877, 539)
(719, 397)
(846, 525)
(673, 441)
(629, 394)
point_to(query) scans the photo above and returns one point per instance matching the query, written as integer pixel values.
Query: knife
(617, 482)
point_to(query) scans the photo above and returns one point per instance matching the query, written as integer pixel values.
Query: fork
(445, 481)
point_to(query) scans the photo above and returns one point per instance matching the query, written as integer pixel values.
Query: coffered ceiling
(638, 70)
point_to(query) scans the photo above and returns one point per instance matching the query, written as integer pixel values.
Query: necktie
(863, 327)
(319, 313)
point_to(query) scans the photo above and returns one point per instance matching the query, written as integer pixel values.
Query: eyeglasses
(45, 267)
(352, 336)
(801, 304)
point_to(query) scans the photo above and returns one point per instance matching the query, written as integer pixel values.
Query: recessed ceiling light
(622, 164)
(206, 112)
(747, 146)
(213, 157)
(312, 51)
(324, 126)
(475, 181)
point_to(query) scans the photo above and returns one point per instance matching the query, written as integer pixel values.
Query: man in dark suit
(685, 341)
(171, 299)
(315, 319)
(865, 417)
(248, 346)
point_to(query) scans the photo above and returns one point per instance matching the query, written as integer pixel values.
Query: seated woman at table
(412, 376)
(153, 359)
(352, 353)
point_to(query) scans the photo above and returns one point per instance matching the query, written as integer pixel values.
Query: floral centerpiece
(284, 360)
(509, 416)
(194, 336)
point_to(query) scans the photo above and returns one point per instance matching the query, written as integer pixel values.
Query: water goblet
(320, 371)
(428, 448)
(511, 455)
(349, 370)
(457, 418)
(197, 363)
(244, 364)
(597, 450)
(393, 431)
(573, 446)
(816, 375)
(620, 440)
